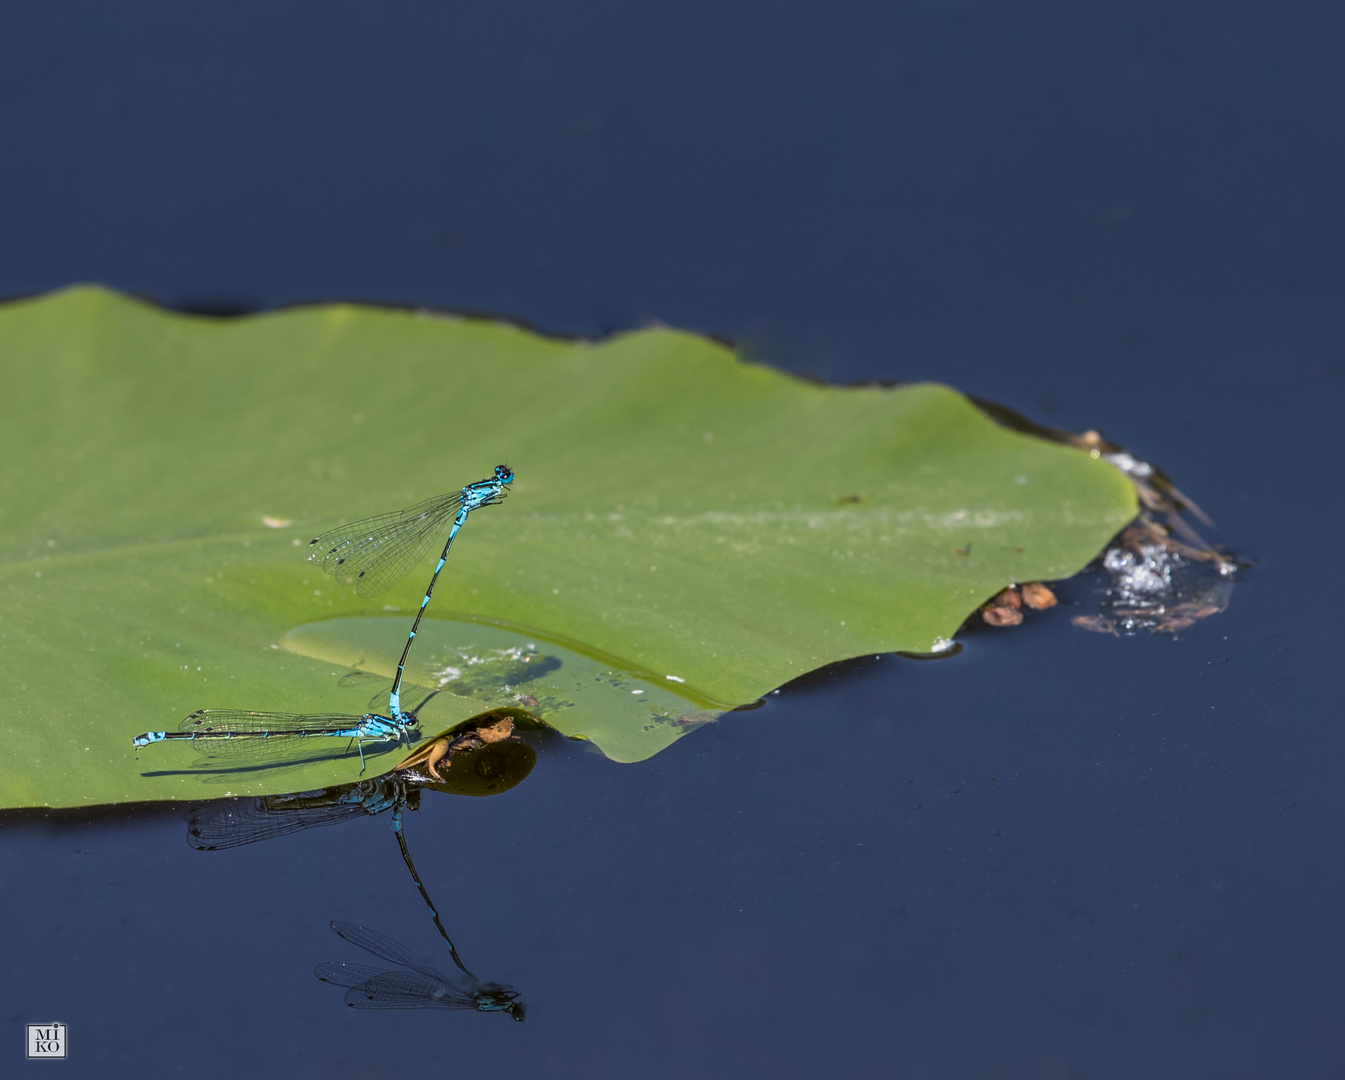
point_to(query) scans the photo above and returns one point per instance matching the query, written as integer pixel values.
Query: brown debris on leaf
(438, 750)
(501, 729)
(1037, 596)
(1006, 608)
(1162, 503)
(1163, 575)
(442, 749)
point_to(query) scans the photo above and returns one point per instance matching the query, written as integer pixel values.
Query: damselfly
(230, 823)
(243, 738)
(416, 984)
(375, 553)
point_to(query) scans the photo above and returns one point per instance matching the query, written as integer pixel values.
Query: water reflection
(418, 984)
(482, 756)
(1154, 582)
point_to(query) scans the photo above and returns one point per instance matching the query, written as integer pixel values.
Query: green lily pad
(677, 514)
(463, 667)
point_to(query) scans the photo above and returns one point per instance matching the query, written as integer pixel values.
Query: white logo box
(47, 1041)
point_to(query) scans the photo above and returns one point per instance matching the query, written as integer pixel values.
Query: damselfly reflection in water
(481, 757)
(417, 984)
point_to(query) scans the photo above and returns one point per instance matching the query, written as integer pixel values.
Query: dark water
(1057, 855)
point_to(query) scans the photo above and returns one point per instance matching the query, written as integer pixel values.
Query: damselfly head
(504, 474)
(492, 997)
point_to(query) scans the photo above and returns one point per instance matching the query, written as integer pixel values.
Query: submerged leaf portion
(461, 668)
(703, 519)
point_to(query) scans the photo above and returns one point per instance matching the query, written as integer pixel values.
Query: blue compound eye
(504, 474)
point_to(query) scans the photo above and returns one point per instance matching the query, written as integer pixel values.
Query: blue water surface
(1058, 855)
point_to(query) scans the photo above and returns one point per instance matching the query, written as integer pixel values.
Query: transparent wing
(232, 823)
(377, 552)
(239, 735)
(414, 696)
(408, 990)
(346, 974)
(239, 721)
(385, 947)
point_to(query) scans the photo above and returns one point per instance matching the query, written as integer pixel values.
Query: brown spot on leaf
(498, 731)
(438, 750)
(1004, 609)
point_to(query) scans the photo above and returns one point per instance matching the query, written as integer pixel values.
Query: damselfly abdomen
(375, 553)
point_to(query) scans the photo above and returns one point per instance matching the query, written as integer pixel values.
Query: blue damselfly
(375, 553)
(243, 738)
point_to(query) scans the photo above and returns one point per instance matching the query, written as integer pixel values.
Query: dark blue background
(1058, 855)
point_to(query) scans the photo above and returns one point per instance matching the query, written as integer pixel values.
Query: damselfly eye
(504, 474)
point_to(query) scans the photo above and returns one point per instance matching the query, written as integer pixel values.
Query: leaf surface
(677, 515)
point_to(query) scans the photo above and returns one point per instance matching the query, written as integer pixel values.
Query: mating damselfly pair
(235, 822)
(486, 747)
(372, 554)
